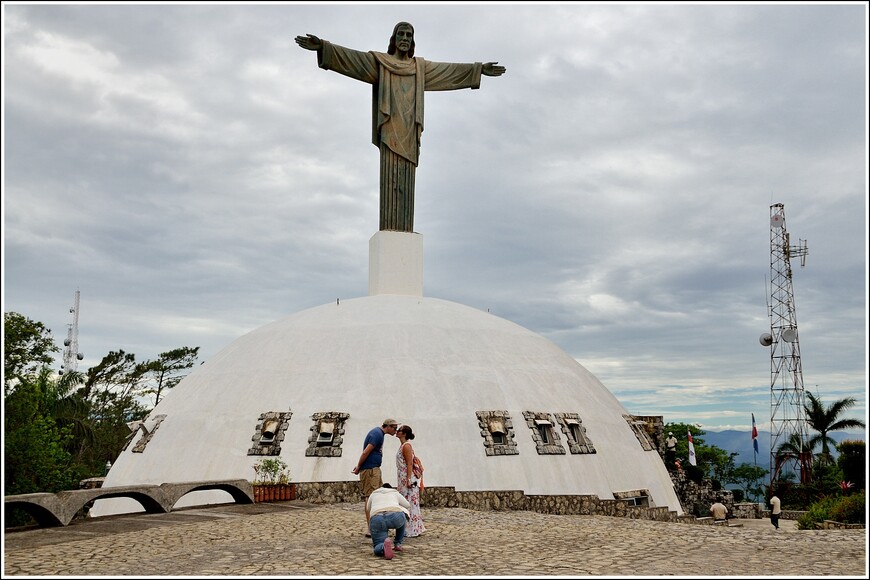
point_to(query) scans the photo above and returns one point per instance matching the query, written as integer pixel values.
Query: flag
(692, 459)
(754, 434)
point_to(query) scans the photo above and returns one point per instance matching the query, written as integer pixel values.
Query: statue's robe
(397, 115)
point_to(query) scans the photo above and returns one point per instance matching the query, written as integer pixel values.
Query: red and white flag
(754, 434)
(692, 459)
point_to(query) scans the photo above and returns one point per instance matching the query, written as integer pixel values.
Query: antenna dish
(789, 335)
(765, 339)
(777, 220)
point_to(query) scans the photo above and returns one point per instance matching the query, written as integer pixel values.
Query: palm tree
(824, 420)
(792, 450)
(62, 400)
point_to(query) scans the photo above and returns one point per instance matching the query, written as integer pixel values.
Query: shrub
(271, 471)
(846, 509)
(850, 509)
(738, 495)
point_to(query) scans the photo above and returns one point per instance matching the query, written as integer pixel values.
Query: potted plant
(272, 480)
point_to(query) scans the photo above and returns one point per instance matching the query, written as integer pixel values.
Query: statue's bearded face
(404, 38)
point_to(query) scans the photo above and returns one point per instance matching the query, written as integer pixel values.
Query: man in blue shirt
(369, 465)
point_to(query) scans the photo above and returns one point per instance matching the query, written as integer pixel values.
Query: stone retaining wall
(349, 491)
(747, 511)
(785, 515)
(832, 525)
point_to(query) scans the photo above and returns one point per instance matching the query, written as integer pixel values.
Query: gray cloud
(196, 176)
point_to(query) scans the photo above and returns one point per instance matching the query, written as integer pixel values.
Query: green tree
(60, 429)
(36, 448)
(852, 460)
(119, 373)
(27, 346)
(826, 419)
(113, 389)
(791, 448)
(719, 464)
(168, 370)
(788, 455)
(749, 478)
(713, 462)
(61, 399)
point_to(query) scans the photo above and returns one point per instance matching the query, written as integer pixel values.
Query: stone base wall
(747, 511)
(696, 498)
(440, 497)
(832, 525)
(329, 492)
(785, 515)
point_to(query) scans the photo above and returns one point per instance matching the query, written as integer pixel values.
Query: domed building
(493, 405)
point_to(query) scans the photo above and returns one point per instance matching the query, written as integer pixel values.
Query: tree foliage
(27, 346)
(59, 429)
(850, 509)
(826, 419)
(36, 447)
(168, 370)
(749, 478)
(713, 462)
(853, 460)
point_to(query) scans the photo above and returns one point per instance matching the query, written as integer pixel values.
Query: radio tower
(71, 354)
(787, 414)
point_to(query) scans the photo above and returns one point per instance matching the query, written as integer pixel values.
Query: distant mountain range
(740, 442)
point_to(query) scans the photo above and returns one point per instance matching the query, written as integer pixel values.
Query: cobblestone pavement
(300, 539)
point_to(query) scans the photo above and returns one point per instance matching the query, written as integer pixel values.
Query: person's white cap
(670, 432)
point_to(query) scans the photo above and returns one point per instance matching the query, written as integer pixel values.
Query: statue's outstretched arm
(309, 42)
(489, 69)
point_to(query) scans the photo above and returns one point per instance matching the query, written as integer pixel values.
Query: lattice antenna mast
(787, 414)
(71, 354)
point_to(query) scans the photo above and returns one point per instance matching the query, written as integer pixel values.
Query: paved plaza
(301, 539)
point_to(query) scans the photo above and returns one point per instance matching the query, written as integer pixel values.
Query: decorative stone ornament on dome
(547, 441)
(575, 433)
(269, 433)
(497, 431)
(326, 434)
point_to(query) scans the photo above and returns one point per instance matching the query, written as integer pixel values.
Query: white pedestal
(396, 263)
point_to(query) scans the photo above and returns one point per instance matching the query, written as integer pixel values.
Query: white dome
(430, 363)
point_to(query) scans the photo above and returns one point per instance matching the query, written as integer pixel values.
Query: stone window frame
(533, 420)
(637, 427)
(485, 420)
(146, 434)
(274, 446)
(636, 497)
(333, 449)
(584, 445)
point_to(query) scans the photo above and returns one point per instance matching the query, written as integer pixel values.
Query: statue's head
(405, 26)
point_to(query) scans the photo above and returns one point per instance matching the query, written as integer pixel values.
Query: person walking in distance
(775, 511)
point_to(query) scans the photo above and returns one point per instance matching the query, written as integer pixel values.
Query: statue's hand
(309, 42)
(491, 70)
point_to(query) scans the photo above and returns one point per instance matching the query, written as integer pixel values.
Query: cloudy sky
(193, 173)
